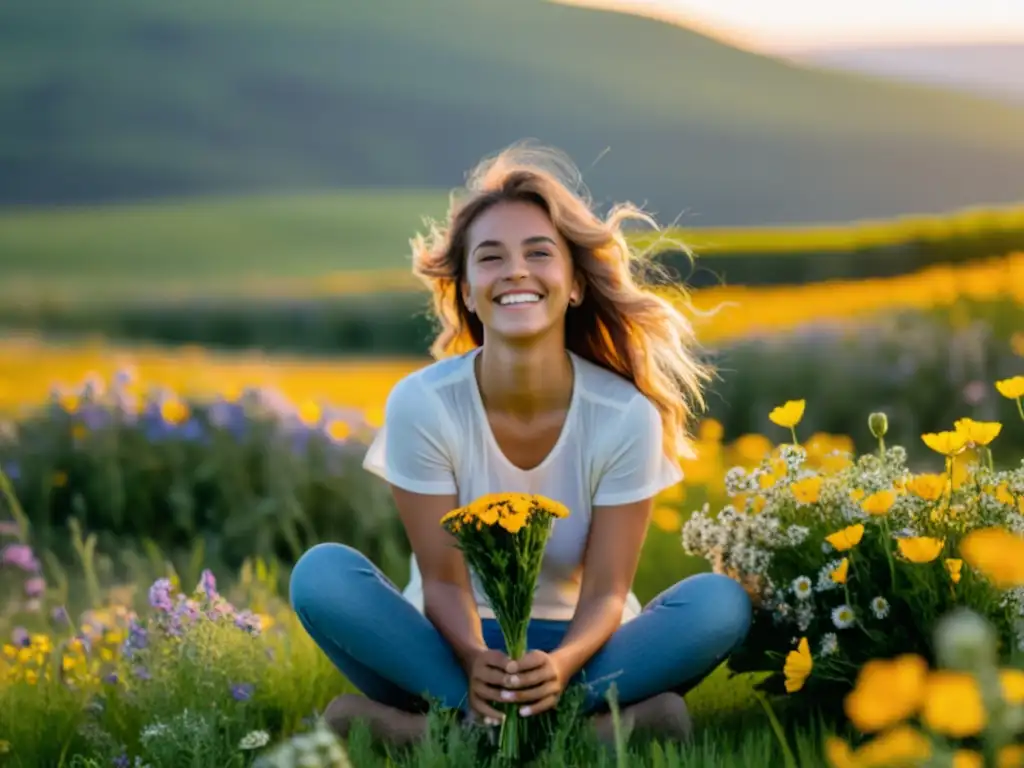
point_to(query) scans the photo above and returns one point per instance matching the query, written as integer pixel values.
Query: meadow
(135, 656)
(156, 495)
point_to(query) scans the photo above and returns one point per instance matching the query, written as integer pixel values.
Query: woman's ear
(467, 296)
(576, 294)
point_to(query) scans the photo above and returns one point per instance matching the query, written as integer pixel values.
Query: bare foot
(386, 723)
(664, 716)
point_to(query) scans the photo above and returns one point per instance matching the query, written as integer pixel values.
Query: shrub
(858, 559)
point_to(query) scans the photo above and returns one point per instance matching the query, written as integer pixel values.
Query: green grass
(285, 245)
(127, 100)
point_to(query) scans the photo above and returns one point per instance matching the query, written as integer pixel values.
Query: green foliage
(216, 481)
(142, 99)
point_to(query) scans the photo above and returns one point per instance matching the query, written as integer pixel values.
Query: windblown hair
(622, 324)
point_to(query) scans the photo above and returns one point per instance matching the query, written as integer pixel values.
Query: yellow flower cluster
(889, 692)
(511, 511)
(80, 661)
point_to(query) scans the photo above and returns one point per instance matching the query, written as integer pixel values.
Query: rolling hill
(121, 100)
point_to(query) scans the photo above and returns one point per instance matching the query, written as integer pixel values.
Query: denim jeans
(394, 654)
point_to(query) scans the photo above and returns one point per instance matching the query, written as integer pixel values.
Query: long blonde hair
(621, 324)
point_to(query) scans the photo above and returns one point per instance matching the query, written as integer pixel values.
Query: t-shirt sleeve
(633, 460)
(412, 450)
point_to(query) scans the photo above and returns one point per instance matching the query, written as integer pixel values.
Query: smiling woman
(564, 378)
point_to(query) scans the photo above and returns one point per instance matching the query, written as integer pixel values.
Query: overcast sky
(793, 24)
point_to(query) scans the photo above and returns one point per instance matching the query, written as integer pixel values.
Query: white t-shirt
(436, 439)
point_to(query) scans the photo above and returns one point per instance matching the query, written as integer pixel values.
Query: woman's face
(519, 272)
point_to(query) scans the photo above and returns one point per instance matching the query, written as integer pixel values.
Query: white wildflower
(254, 740)
(880, 607)
(802, 587)
(829, 644)
(843, 617)
(153, 731)
(825, 580)
(804, 616)
(737, 481)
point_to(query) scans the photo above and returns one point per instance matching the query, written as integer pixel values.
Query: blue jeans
(394, 654)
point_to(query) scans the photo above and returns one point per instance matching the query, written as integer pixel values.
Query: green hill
(117, 99)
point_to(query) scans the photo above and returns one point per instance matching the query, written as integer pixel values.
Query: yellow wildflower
(927, 486)
(789, 414)
(968, 758)
(920, 549)
(953, 705)
(1012, 682)
(879, 503)
(947, 443)
(954, 565)
(174, 411)
(847, 538)
(798, 666)
(887, 691)
(978, 432)
(997, 553)
(1012, 388)
(310, 413)
(903, 745)
(808, 490)
(838, 753)
(841, 571)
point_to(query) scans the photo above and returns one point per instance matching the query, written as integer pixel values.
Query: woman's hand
(534, 683)
(486, 677)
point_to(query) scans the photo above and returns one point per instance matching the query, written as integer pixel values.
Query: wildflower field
(859, 469)
(125, 496)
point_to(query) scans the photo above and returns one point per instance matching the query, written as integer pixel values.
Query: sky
(785, 25)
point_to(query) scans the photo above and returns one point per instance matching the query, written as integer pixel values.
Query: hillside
(116, 100)
(995, 69)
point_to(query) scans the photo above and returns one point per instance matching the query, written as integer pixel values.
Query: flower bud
(878, 423)
(965, 641)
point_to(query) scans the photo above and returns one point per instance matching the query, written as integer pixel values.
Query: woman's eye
(541, 254)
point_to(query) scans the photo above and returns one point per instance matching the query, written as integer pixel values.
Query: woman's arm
(613, 553)
(447, 592)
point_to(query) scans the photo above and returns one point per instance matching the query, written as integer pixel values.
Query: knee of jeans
(730, 606)
(724, 606)
(320, 574)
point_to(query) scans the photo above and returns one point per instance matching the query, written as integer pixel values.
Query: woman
(562, 377)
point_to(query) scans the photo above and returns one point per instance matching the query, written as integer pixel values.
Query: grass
(355, 242)
(142, 100)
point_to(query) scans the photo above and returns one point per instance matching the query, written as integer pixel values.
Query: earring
(574, 300)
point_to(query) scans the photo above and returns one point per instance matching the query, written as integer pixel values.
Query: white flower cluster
(317, 749)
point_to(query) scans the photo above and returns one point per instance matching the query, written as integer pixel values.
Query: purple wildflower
(248, 621)
(59, 615)
(20, 556)
(137, 640)
(160, 595)
(242, 691)
(35, 586)
(110, 678)
(122, 761)
(20, 637)
(142, 673)
(207, 584)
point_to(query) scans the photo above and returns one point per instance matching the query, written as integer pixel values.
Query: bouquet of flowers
(858, 560)
(503, 537)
